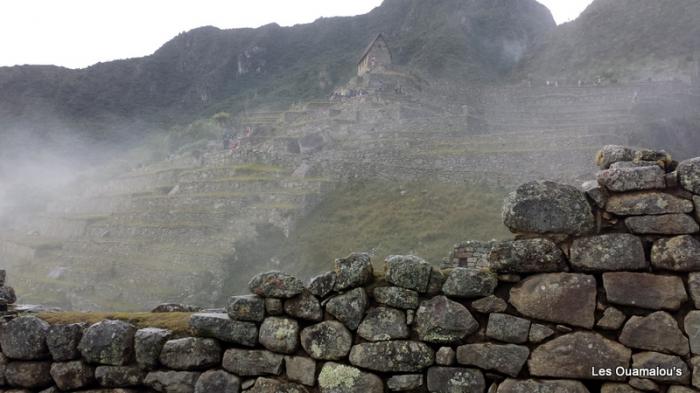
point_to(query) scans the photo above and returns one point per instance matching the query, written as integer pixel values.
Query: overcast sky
(78, 33)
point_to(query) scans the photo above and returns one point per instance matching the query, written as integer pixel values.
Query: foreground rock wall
(598, 292)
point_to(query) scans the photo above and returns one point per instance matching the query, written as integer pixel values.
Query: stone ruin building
(376, 56)
(598, 292)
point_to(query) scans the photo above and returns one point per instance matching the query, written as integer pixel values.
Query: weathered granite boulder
(576, 355)
(568, 298)
(191, 353)
(279, 334)
(654, 360)
(349, 308)
(407, 271)
(148, 343)
(72, 375)
(537, 386)
(7, 296)
(119, 376)
(441, 320)
(455, 380)
(632, 178)
(645, 290)
(437, 280)
(383, 323)
(657, 331)
(172, 381)
(526, 256)
(246, 308)
(218, 381)
(108, 342)
(339, 378)
(547, 207)
(353, 271)
(508, 328)
(612, 319)
(321, 285)
(405, 382)
(508, 359)
(680, 253)
(221, 327)
(694, 288)
(664, 224)
(610, 154)
(396, 297)
(32, 375)
(63, 340)
(469, 283)
(392, 356)
(539, 333)
(691, 325)
(647, 202)
(609, 252)
(300, 369)
(269, 385)
(329, 340)
(489, 304)
(24, 338)
(252, 362)
(689, 174)
(275, 284)
(304, 306)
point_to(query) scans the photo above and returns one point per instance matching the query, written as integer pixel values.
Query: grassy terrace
(178, 322)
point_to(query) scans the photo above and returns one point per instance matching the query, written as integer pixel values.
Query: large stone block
(508, 328)
(610, 154)
(353, 271)
(275, 284)
(396, 297)
(383, 323)
(568, 298)
(647, 203)
(329, 340)
(664, 224)
(609, 252)
(300, 369)
(632, 178)
(441, 320)
(689, 174)
(63, 340)
(172, 381)
(339, 378)
(252, 362)
(217, 381)
(322, 284)
(32, 375)
(577, 355)
(526, 256)
(279, 334)
(119, 376)
(246, 308)
(72, 375)
(24, 338)
(191, 353)
(657, 331)
(537, 386)
(349, 308)
(269, 385)
(407, 271)
(305, 306)
(392, 356)
(108, 342)
(455, 380)
(508, 359)
(469, 283)
(221, 327)
(655, 360)
(148, 343)
(680, 253)
(645, 290)
(548, 208)
(691, 325)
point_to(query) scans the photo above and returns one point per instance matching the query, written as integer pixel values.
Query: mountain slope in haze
(621, 40)
(209, 69)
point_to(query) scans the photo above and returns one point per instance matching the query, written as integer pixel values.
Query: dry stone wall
(597, 292)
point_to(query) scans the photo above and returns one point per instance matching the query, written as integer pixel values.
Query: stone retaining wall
(597, 293)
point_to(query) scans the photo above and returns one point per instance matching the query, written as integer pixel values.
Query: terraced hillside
(321, 177)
